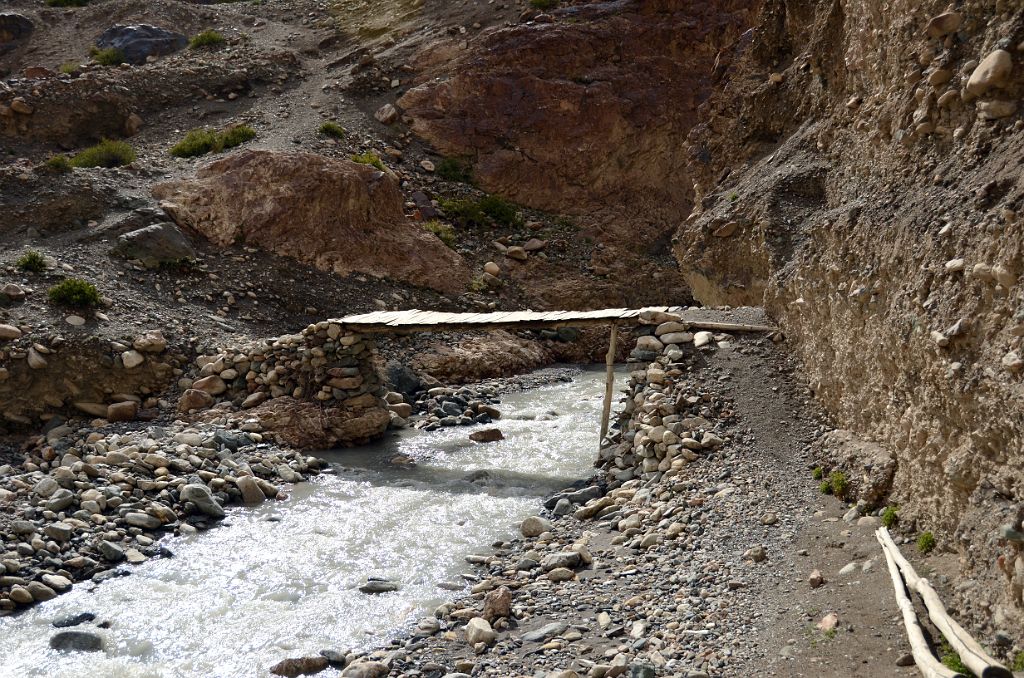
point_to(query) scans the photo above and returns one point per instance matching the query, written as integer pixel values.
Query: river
(282, 580)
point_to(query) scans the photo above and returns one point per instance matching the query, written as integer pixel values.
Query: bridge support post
(609, 384)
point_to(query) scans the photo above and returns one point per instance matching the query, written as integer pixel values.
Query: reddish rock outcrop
(310, 425)
(338, 215)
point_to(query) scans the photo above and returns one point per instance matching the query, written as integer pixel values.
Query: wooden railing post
(609, 384)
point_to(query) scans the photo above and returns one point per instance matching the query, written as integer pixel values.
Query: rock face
(141, 41)
(338, 215)
(901, 306)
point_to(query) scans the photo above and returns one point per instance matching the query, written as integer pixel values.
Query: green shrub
(1018, 662)
(69, 67)
(543, 4)
(208, 38)
(501, 210)
(202, 141)
(107, 153)
(58, 164)
(926, 542)
(837, 479)
(825, 487)
(818, 473)
(75, 293)
(369, 158)
(452, 169)
(110, 56)
(889, 517)
(31, 262)
(463, 211)
(67, 3)
(332, 129)
(442, 230)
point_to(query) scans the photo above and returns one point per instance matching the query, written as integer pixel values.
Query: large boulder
(155, 245)
(310, 425)
(338, 215)
(141, 41)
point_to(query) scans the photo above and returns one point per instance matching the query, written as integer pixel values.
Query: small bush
(67, 3)
(107, 153)
(202, 141)
(464, 212)
(332, 129)
(31, 262)
(69, 68)
(442, 230)
(543, 4)
(58, 164)
(208, 38)
(926, 542)
(889, 517)
(951, 660)
(110, 56)
(837, 479)
(369, 158)
(818, 473)
(825, 487)
(75, 293)
(452, 169)
(501, 210)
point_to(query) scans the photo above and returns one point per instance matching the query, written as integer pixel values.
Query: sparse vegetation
(733, 196)
(369, 158)
(889, 516)
(442, 230)
(501, 210)
(69, 67)
(332, 129)
(107, 153)
(31, 262)
(464, 212)
(58, 164)
(208, 38)
(951, 660)
(202, 141)
(818, 473)
(825, 487)
(74, 292)
(1018, 662)
(453, 169)
(543, 5)
(477, 284)
(926, 542)
(111, 56)
(837, 481)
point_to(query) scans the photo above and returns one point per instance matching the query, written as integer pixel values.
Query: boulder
(251, 492)
(497, 604)
(487, 435)
(478, 630)
(366, 670)
(76, 641)
(312, 425)
(202, 497)
(124, 411)
(337, 215)
(194, 399)
(140, 41)
(993, 71)
(300, 666)
(155, 245)
(534, 526)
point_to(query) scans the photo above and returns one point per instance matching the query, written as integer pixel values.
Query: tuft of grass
(543, 4)
(733, 196)
(477, 284)
(837, 479)
(107, 153)
(202, 141)
(442, 230)
(332, 129)
(69, 68)
(889, 516)
(926, 542)
(31, 262)
(74, 292)
(369, 158)
(818, 473)
(463, 211)
(501, 210)
(951, 660)
(67, 3)
(208, 38)
(58, 164)
(825, 487)
(1018, 662)
(110, 56)
(453, 169)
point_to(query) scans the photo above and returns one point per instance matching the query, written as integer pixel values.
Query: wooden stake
(609, 384)
(971, 653)
(930, 666)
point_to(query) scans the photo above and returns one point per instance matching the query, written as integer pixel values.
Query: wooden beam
(971, 653)
(609, 383)
(929, 666)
